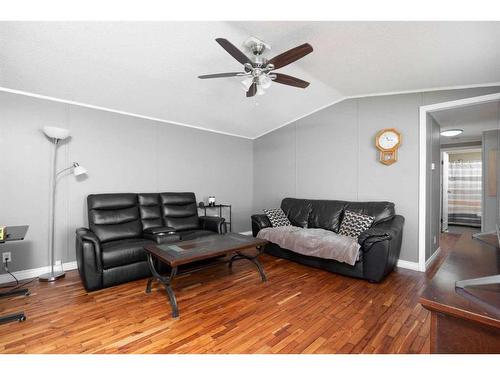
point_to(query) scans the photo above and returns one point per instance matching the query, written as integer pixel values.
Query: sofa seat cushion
(193, 234)
(122, 252)
(314, 242)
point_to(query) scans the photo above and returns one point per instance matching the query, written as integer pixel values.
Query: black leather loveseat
(111, 250)
(380, 245)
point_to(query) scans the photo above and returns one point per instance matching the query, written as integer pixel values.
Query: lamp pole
(52, 275)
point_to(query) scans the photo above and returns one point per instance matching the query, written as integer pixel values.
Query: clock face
(388, 140)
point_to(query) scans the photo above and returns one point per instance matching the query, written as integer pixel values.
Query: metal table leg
(166, 282)
(17, 316)
(254, 259)
(12, 317)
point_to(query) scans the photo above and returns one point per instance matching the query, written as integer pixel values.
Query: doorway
(461, 190)
(430, 197)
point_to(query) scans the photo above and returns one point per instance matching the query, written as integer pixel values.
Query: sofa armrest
(259, 222)
(381, 247)
(89, 258)
(213, 223)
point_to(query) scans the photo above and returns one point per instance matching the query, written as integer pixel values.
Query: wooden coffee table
(176, 254)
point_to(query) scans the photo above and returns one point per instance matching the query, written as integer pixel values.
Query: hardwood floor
(299, 310)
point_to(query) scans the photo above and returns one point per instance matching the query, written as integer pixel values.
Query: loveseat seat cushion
(326, 214)
(114, 216)
(122, 252)
(382, 211)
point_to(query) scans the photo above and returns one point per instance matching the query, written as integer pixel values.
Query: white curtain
(465, 192)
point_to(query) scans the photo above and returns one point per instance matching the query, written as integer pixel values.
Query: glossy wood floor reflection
(299, 310)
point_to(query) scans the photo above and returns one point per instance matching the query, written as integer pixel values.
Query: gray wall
(121, 154)
(331, 154)
(433, 188)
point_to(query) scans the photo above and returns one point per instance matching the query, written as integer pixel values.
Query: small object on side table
(14, 233)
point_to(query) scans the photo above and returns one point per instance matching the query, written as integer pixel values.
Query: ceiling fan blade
(222, 75)
(290, 81)
(233, 51)
(252, 90)
(291, 55)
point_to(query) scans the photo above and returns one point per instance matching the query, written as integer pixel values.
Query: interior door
(444, 191)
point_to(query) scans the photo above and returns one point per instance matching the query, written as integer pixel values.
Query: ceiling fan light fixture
(260, 90)
(265, 81)
(247, 82)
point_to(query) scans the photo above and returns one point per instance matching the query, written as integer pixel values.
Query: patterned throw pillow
(353, 224)
(277, 217)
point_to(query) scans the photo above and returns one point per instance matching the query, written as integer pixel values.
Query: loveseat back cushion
(326, 214)
(114, 216)
(150, 210)
(179, 211)
(381, 211)
(297, 211)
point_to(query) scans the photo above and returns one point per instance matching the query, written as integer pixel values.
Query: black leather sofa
(380, 245)
(111, 250)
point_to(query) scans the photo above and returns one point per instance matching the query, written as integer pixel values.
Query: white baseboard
(35, 272)
(247, 233)
(408, 265)
(432, 258)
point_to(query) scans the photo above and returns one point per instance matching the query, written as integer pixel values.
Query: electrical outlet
(6, 257)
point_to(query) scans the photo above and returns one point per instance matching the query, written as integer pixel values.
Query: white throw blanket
(314, 242)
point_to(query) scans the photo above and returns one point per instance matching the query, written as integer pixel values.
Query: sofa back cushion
(179, 210)
(150, 210)
(297, 211)
(326, 214)
(114, 216)
(382, 211)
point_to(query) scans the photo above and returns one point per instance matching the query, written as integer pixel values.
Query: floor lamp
(55, 135)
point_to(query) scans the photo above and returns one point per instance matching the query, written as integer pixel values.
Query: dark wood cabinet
(465, 320)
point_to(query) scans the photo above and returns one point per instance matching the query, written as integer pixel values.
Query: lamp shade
(78, 170)
(265, 81)
(247, 82)
(55, 132)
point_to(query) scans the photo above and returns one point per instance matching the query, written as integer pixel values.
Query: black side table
(220, 207)
(15, 233)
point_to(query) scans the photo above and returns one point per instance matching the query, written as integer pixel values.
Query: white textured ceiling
(151, 68)
(472, 119)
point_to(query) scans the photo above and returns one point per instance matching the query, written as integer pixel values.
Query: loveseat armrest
(381, 246)
(159, 230)
(89, 258)
(161, 234)
(259, 221)
(213, 223)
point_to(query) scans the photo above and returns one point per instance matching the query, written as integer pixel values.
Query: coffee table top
(183, 252)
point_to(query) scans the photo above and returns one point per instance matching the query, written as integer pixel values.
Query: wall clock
(388, 142)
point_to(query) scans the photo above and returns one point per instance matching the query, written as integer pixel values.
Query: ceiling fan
(259, 72)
